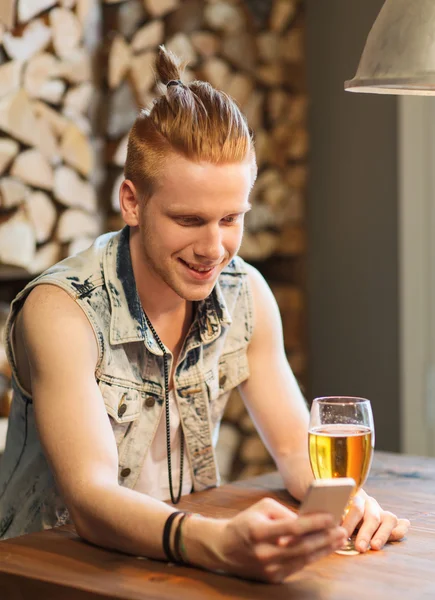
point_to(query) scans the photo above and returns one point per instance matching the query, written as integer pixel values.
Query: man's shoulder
(64, 284)
(77, 274)
(48, 308)
(86, 261)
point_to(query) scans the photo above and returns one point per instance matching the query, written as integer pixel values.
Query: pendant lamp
(399, 55)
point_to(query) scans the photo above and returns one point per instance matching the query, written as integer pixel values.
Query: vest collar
(128, 323)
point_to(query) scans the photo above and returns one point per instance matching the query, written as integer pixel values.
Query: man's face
(192, 226)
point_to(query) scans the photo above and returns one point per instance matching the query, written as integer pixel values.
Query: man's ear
(129, 203)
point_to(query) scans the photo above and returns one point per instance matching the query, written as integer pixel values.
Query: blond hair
(195, 120)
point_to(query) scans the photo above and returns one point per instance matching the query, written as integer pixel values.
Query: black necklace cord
(168, 422)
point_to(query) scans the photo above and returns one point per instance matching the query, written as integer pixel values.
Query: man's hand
(376, 526)
(268, 542)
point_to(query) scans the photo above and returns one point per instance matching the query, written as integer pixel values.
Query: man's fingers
(381, 537)
(293, 564)
(321, 542)
(274, 509)
(391, 529)
(270, 519)
(400, 530)
(372, 521)
(279, 563)
(277, 573)
(376, 536)
(285, 540)
(308, 544)
(355, 515)
(271, 530)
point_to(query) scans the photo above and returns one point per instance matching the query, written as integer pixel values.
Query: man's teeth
(199, 269)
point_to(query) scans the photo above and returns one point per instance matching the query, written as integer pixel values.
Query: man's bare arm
(272, 395)
(79, 444)
(75, 429)
(276, 404)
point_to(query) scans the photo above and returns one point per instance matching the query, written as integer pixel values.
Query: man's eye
(187, 221)
(231, 219)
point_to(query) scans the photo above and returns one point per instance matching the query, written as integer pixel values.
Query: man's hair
(194, 120)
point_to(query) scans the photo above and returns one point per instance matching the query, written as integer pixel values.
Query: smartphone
(328, 496)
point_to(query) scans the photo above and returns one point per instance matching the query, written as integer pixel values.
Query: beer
(341, 451)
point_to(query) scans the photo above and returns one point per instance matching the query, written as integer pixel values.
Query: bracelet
(180, 548)
(167, 535)
(178, 540)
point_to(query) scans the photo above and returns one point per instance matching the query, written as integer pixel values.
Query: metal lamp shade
(399, 55)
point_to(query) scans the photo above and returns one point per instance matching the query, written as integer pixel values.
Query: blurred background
(327, 223)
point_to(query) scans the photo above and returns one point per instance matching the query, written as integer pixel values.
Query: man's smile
(199, 271)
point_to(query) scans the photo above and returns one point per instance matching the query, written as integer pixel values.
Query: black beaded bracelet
(167, 536)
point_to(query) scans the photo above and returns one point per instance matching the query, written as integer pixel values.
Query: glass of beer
(341, 440)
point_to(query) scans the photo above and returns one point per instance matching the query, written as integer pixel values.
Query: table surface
(57, 564)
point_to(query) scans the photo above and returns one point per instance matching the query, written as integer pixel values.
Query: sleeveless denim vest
(130, 377)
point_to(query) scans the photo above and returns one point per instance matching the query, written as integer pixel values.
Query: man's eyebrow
(184, 211)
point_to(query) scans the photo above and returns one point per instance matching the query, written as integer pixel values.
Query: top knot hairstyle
(194, 120)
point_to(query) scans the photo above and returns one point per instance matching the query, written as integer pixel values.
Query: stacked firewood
(48, 203)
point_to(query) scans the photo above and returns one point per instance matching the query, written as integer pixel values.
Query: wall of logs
(73, 74)
(48, 197)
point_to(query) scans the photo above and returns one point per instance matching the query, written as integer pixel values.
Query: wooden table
(57, 564)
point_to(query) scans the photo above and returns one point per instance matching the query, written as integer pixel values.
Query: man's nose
(209, 245)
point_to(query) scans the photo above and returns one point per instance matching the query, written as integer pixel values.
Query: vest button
(125, 472)
(222, 380)
(150, 401)
(122, 409)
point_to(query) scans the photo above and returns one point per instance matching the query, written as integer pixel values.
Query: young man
(163, 317)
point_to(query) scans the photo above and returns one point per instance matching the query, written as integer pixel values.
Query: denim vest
(130, 376)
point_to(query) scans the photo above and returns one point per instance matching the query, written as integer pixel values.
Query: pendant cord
(168, 422)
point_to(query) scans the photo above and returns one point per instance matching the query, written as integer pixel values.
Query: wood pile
(48, 202)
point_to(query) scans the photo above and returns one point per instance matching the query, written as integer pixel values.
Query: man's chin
(196, 293)
(197, 296)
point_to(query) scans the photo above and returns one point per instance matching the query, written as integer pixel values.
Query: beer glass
(341, 440)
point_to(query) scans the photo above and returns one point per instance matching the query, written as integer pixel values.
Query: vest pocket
(231, 370)
(122, 403)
